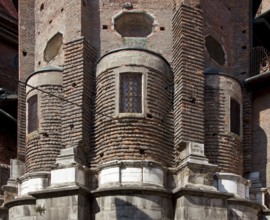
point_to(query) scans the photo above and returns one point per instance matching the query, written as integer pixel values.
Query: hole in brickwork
(134, 24)
(243, 73)
(192, 100)
(101, 154)
(83, 3)
(50, 21)
(39, 63)
(62, 9)
(24, 53)
(142, 151)
(244, 31)
(214, 134)
(229, 9)
(148, 115)
(162, 28)
(41, 7)
(74, 84)
(104, 27)
(215, 50)
(71, 126)
(45, 135)
(244, 47)
(221, 27)
(53, 47)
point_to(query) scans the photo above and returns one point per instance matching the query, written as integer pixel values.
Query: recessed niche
(215, 50)
(134, 24)
(53, 47)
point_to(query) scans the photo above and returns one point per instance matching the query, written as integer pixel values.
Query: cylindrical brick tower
(134, 133)
(43, 109)
(133, 107)
(223, 122)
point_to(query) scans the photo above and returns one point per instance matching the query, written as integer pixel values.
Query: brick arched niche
(134, 23)
(215, 50)
(142, 133)
(43, 118)
(223, 122)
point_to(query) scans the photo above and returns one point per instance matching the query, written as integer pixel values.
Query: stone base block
(32, 182)
(131, 173)
(68, 175)
(232, 183)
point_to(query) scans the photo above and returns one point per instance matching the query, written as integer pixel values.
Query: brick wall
(222, 147)
(188, 74)
(159, 41)
(44, 145)
(26, 64)
(149, 137)
(78, 90)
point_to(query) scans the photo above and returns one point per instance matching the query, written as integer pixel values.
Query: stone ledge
(245, 202)
(61, 191)
(130, 190)
(26, 200)
(201, 192)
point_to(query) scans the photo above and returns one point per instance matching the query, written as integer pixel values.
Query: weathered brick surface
(78, 90)
(188, 75)
(148, 137)
(159, 41)
(26, 64)
(222, 147)
(49, 20)
(44, 145)
(247, 130)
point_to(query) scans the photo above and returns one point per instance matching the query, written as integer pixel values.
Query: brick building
(142, 110)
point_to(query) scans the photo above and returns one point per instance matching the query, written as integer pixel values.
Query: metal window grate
(32, 103)
(130, 92)
(260, 60)
(235, 117)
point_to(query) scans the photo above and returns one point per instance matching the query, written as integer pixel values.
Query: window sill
(130, 115)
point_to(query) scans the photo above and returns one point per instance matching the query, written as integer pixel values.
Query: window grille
(130, 93)
(235, 117)
(32, 113)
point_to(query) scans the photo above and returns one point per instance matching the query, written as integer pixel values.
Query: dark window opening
(134, 24)
(32, 113)
(215, 50)
(130, 93)
(235, 117)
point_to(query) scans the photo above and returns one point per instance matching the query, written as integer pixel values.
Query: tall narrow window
(235, 117)
(130, 93)
(32, 103)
